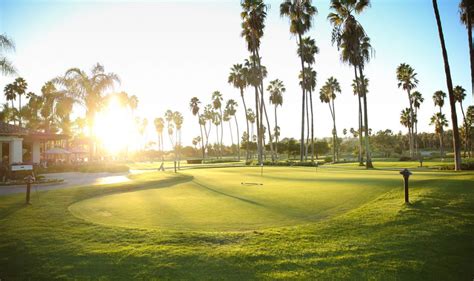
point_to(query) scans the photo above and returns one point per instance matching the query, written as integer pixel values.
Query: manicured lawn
(336, 222)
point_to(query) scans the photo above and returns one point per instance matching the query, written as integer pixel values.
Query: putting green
(216, 199)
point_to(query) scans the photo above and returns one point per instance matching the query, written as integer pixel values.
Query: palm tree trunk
(238, 137)
(412, 119)
(471, 47)
(217, 142)
(452, 102)
(202, 143)
(259, 143)
(222, 131)
(335, 131)
(361, 158)
(302, 100)
(307, 128)
(441, 143)
(247, 123)
(13, 113)
(368, 159)
(19, 109)
(276, 134)
(312, 125)
(415, 133)
(231, 134)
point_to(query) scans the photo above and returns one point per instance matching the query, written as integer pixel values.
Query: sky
(167, 52)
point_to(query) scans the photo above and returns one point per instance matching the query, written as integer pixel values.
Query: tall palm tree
(10, 95)
(20, 87)
(349, 35)
(159, 125)
(308, 52)
(309, 84)
(438, 99)
(439, 121)
(89, 90)
(276, 88)
(327, 95)
(358, 92)
(6, 66)
(178, 121)
(449, 84)
(407, 80)
(459, 96)
(417, 99)
(300, 13)
(405, 119)
(238, 79)
(217, 121)
(466, 13)
(254, 13)
(252, 118)
(217, 105)
(231, 109)
(194, 106)
(207, 117)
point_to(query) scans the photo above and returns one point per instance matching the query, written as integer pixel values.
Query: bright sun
(115, 128)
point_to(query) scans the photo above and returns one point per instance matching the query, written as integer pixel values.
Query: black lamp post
(406, 174)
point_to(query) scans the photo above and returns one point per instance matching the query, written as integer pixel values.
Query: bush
(405, 158)
(216, 161)
(328, 159)
(86, 168)
(194, 161)
(468, 166)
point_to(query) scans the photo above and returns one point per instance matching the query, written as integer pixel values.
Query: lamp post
(406, 174)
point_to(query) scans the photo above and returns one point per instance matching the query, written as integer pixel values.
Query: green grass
(339, 222)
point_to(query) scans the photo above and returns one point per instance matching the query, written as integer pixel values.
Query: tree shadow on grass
(228, 195)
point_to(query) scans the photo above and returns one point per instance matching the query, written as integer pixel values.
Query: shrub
(405, 158)
(328, 159)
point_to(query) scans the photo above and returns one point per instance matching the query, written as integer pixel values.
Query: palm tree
(231, 109)
(238, 78)
(20, 87)
(254, 13)
(405, 119)
(178, 121)
(89, 90)
(407, 80)
(459, 96)
(6, 66)
(217, 121)
(417, 99)
(439, 120)
(276, 88)
(328, 95)
(449, 84)
(309, 85)
(438, 99)
(194, 106)
(207, 117)
(159, 125)
(217, 105)
(466, 12)
(358, 92)
(133, 103)
(10, 95)
(300, 13)
(251, 117)
(349, 35)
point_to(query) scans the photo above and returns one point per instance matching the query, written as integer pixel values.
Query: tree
(327, 95)
(276, 88)
(238, 79)
(358, 92)
(405, 120)
(89, 91)
(407, 80)
(10, 95)
(438, 99)
(300, 13)
(194, 106)
(349, 35)
(466, 13)
(254, 13)
(231, 110)
(178, 121)
(449, 84)
(439, 121)
(459, 96)
(417, 99)
(217, 105)
(6, 66)
(159, 126)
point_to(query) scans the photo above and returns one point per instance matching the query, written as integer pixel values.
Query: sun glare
(115, 128)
